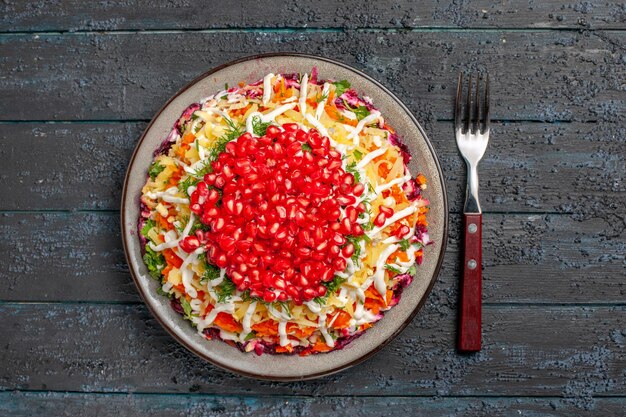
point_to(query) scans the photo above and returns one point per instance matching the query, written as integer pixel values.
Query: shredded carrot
(166, 270)
(266, 328)
(399, 254)
(333, 113)
(321, 346)
(226, 322)
(171, 258)
(341, 322)
(300, 332)
(284, 349)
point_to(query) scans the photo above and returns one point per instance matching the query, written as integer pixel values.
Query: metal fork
(472, 136)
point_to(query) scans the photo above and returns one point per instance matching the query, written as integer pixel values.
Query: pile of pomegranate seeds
(274, 206)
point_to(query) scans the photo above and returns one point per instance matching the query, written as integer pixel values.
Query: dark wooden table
(80, 80)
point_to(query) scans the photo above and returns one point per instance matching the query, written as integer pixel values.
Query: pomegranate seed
(309, 294)
(358, 189)
(189, 244)
(380, 220)
(269, 296)
(402, 231)
(348, 250)
(387, 210)
(272, 131)
(340, 264)
(321, 290)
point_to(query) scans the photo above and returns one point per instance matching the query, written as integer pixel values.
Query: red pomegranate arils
(278, 229)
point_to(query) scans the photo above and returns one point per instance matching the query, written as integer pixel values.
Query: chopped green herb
(341, 87)
(361, 112)
(392, 269)
(334, 285)
(259, 127)
(225, 290)
(351, 168)
(306, 147)
(155, 170)
(284, 305)
(155, 262)
(149, 224)
(321, 97)
(225, 86)
(412, 270)
(404, 244)
(358, 155)
(186, 306)
(161, 292)
(250, 335)
(186, 183)
(212, 272)
(232, 132)
(331, 288)
(370, 188)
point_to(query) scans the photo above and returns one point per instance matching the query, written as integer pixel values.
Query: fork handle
(471, 288)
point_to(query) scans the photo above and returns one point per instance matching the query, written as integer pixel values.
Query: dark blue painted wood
(555, 339)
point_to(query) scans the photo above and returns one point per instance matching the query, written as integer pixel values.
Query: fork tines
(476, 119)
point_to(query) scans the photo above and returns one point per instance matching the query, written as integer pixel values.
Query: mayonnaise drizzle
(267, 88)
(268, 117)
(324, 331)
(397, 216)
(247, 318)
(303, 93)
(365, 121)
(282, 332)
(399, 181)
(370, 157)
(379, 275)
(168, 196)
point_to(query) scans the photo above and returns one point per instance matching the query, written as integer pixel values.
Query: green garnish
(212, 272)
(155, 262)
(225, 290)
(186, 183)
(306, 147)
(258, 126)
(232, 132)
(160, 291)
(149, 224)
(412, 270)
(186, 306)
(155, 170)
(250, 335)
(404, 244)
(392, 269)
(361, 112)
(341, 87)
(331, 288)
(351, 168)
(321, 97)
(358, 155)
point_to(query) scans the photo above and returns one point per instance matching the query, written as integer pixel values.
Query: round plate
(287, 367)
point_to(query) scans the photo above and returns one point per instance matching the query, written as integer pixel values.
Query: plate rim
(154, 311)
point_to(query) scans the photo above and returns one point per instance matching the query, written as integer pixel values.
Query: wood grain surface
(79, 82)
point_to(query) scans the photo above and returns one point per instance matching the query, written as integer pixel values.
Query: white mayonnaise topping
(379, 275)
(370, 157)
(359, 127)
(397, 181)
(267, 88)
(247, 318)
(303, 93)
(282, 332)
(396, 216)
